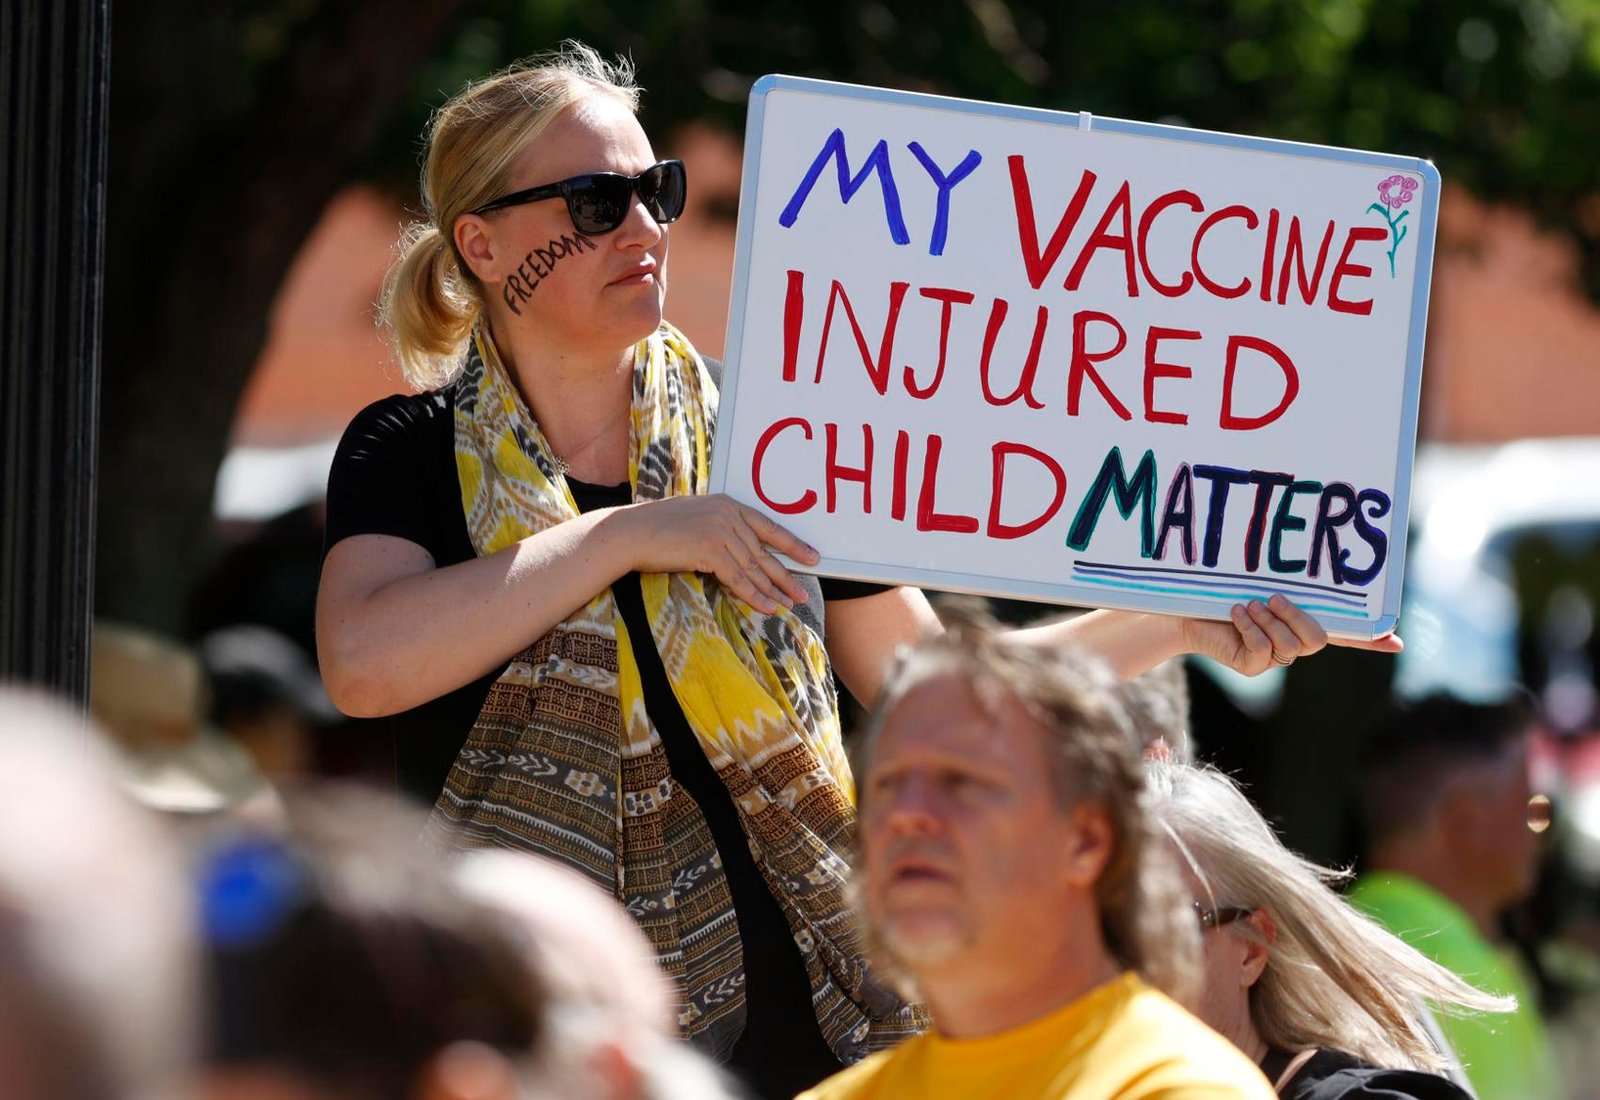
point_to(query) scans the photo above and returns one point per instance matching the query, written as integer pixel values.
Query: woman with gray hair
(1325, 1000)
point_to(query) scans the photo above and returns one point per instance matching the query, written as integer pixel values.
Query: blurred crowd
(208, 890)
(183, 928)
(191, 906)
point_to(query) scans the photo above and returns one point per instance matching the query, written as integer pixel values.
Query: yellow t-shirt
(1122, 1041)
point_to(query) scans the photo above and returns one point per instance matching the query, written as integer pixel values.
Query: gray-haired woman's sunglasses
(1221, 915)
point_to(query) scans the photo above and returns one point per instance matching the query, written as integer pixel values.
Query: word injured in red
(1100, 345)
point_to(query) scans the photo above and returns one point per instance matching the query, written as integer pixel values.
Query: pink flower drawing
(1393, 193)
(1396, 191)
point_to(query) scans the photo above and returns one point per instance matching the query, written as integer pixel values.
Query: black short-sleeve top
(394, 473)
(1334, 1075)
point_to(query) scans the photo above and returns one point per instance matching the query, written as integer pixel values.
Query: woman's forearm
(1130, 642)
(419, 633)
(393, 631)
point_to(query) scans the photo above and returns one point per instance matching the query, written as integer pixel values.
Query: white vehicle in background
(1494, 527)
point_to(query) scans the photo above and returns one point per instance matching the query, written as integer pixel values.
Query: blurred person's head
(1444, 796)
(1288, 963)
(611, 1032)
(1157, 704)
(97, 946)
(149, 692)
(480, 146)
(266, 695)
(346, 965)
(1003, 829)
(146, 690)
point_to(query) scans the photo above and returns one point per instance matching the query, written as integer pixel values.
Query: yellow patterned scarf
(564, 761)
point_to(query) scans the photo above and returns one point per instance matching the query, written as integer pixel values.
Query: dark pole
(54, 68)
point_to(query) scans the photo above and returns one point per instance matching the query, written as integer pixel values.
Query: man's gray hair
(1145, 915)
(1158, 706)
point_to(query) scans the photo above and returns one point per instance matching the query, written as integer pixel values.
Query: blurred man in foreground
(97, 947)
(348, 962)
(610, 1030)
(345, 964)
(1445, 806)
(1011, 874)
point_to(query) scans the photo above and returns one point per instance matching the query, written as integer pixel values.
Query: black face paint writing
(537, 265)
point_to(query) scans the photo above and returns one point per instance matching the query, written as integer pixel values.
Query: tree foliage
(1501, 94)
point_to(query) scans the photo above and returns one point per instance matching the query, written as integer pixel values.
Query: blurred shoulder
(1181, 1056)
(1332, 1075)
(862, 1081)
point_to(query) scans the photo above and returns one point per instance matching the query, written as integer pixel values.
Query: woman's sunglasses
(1223, 914)
(599, 202)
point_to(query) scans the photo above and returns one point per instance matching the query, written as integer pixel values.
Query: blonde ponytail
(430, 300)
(429, 306)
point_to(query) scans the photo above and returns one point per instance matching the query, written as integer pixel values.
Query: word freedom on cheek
(537, 265)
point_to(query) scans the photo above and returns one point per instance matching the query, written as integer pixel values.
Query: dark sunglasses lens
(600, 204)
(663, 188)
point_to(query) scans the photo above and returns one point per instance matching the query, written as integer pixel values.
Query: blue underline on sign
(1202, 593)
(1328, 588)
(1357, 602)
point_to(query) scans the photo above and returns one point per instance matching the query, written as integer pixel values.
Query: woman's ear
(1258, 952)
(467, 1071)
(475, 243)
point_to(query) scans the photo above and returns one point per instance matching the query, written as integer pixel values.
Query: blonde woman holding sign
(586, 656)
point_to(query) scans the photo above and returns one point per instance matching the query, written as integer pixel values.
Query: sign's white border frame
(1427, 222)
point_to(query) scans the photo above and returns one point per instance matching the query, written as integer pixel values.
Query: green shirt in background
(1507, 1056)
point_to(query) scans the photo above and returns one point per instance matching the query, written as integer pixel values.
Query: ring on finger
(1281, 660)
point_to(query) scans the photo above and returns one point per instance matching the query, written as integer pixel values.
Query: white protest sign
(1044, 355)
